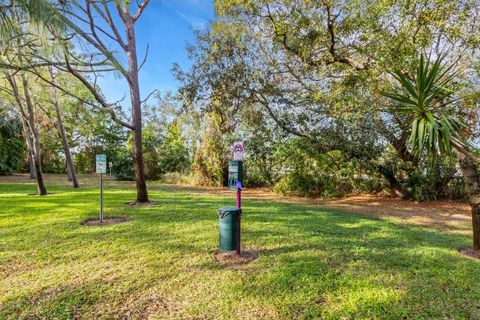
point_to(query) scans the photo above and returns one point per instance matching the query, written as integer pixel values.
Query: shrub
(433, 183)
(11, 145)
(123, 168)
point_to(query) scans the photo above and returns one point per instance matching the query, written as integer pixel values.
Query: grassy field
(314, 262)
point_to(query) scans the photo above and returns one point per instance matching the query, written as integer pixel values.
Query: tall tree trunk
(42, 190)
(69, 174)
(471, 175)
(136, 109)
(28, 143)
(31, 166)
(30, 129)
(66, 148)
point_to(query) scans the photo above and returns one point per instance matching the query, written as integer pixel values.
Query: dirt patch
(469, 252)
(142, 204)
(440, 214)
(106, 221)
(230, 258)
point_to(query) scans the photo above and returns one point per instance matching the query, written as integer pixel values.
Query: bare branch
(144, 58)
(149, 95)
(92, 41)
(89, 22)
(106, 106)
(141, 7)
(106, 15)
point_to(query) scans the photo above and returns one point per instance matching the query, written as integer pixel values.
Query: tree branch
(98, 46)
(144, 58)
(106, 15)
(140, 9)
(336, 58)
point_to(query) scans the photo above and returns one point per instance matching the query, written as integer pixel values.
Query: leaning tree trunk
(42, 190)
(31, 166)
(142, 195)
(471, 175)
(69, 174)
(30, 130)
(66, 148)
(32, 125)
(31, 163)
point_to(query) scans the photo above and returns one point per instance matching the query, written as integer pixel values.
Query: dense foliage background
(300, 82)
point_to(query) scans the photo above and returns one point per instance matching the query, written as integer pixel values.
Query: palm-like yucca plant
(427, 102)
(426, 99)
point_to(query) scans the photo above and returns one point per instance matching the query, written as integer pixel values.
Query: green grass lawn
(314, 263)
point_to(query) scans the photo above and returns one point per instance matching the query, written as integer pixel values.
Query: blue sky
(167, 26)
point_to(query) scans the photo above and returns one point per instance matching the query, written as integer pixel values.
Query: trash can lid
(228, 209)
(223, 212)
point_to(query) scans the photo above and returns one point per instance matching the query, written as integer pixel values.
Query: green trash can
(228, 228)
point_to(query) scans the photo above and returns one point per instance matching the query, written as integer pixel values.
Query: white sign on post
(101, 167)
(101, 163)
(238, 151)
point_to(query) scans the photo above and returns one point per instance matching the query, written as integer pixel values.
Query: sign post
(101, 167)
(110, 164)
(235, 180)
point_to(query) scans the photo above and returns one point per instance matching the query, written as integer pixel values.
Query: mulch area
(469, 252)
(440, 214)
(230, 258)
(106, 221)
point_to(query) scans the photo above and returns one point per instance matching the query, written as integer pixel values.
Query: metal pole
(239, 206)
(101, 197)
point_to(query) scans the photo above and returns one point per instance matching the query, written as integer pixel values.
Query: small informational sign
(101, 163)
(101, 167)
(238, 151)
(235, 174)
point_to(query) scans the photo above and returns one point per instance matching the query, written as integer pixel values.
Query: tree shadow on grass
(416, 270)
(314, 262)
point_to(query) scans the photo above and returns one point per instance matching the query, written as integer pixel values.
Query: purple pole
(239, 206)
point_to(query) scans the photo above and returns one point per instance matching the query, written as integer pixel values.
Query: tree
(55, 101)
(428, 101)
(173, 152)
(316, 67)
(86, 22)
(94, 24)
(20, 91)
